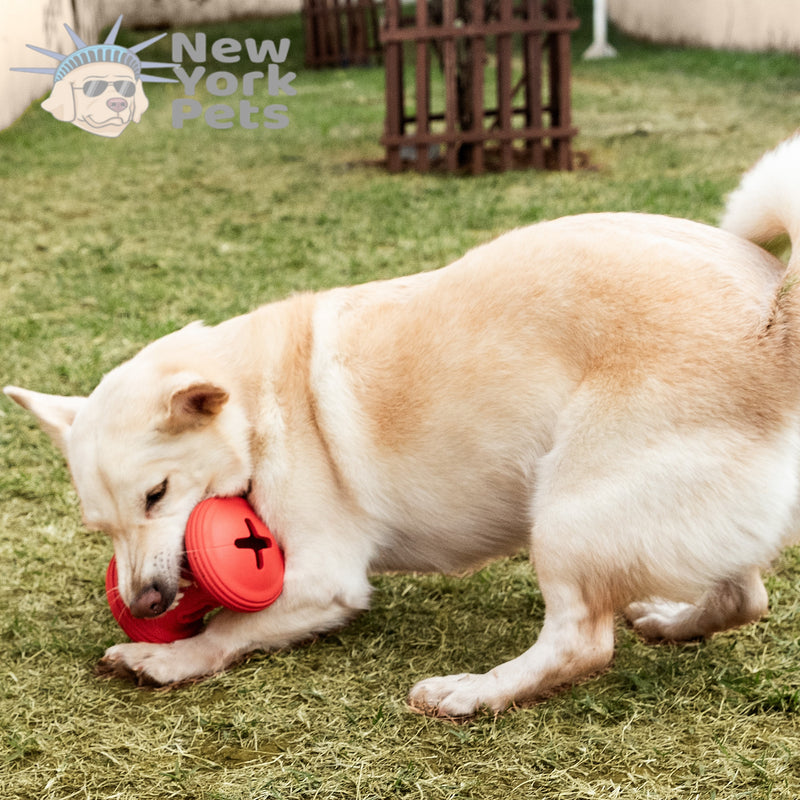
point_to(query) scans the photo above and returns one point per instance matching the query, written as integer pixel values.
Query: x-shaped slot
(253, 542)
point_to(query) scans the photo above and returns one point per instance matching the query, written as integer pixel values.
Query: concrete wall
(41, 22)
(175, 13)
(758, 25)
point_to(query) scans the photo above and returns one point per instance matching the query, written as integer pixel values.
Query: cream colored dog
(620, 393)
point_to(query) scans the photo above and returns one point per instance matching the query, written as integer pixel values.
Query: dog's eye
(155, 495)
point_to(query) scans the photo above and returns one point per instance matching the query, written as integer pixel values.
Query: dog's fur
(620, 393)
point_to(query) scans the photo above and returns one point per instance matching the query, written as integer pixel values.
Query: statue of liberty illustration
(98, 87)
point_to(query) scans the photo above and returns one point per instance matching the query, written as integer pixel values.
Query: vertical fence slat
(560, 77)
(422, 75)
(360, 28)
(450, 59)
(350, 38)
(374, 31)
(534, 117)
(334, 31)
(395, 105)
(308, 29)
(504, 88)
(478, 45)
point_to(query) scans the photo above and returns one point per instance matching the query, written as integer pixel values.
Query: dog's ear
(140, 102)
(54, 412)
(193, 402)
(61, 103)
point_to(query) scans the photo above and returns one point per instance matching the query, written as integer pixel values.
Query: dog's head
(150, 442)
(101, 98)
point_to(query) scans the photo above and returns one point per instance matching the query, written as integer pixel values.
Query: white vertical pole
(600, 48)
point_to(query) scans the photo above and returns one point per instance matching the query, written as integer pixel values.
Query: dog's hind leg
(577, 639)
(729, 604)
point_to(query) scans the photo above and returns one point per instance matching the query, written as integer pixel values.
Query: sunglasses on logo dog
(96, 87)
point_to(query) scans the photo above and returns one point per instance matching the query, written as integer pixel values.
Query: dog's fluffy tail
(766, 204)
(765, 208)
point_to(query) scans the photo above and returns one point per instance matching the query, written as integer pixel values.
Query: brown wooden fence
(341, 33)
(502, 97)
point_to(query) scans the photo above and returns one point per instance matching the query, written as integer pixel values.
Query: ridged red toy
(234, 562)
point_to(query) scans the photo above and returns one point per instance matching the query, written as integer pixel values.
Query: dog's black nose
(151, 601)
(117, 104)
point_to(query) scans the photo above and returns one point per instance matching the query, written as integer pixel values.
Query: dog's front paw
(144, 663)
(115, 664)
(147, 664)
(457, 697)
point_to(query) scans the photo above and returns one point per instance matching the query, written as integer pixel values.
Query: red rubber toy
(234, 562)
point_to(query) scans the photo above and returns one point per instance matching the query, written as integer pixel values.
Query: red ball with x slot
(233, 554)
(233, 561)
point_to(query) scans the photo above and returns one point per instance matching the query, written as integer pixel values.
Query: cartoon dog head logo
(98, 87)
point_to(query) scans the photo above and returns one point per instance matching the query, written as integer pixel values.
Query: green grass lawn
(107, 244)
